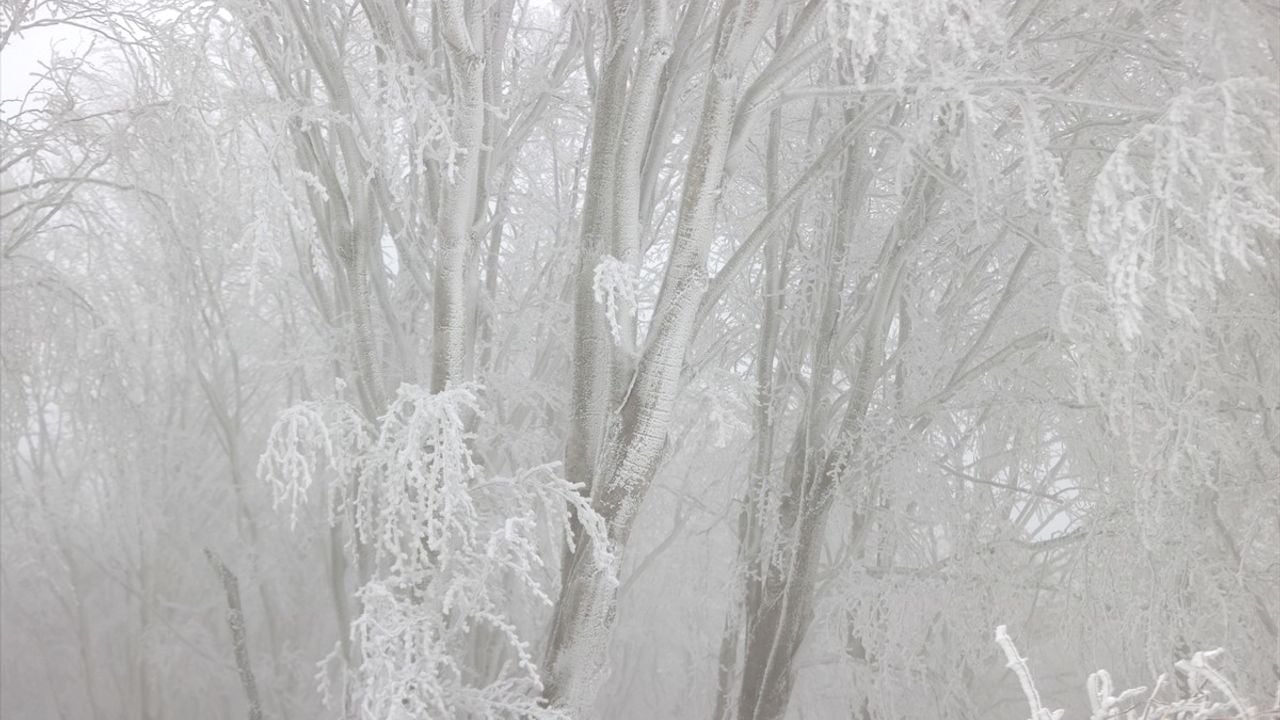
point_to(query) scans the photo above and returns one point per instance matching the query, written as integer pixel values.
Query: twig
(235, 620)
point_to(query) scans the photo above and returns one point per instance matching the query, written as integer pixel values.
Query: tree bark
(464, 44)
(585, 612)
(239, 639)
(780, 595)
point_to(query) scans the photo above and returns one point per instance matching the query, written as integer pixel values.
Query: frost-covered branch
(1185, 197)
(450, 545)
(1018, 665)
(1209, 694)
(239, 639)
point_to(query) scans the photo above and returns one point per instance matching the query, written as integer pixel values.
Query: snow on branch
(451, 548)
(913, 37)
(1018, 665)
(616, 285)
(1209, 696)
(1183, 197)
(422, 502)
(307, 439)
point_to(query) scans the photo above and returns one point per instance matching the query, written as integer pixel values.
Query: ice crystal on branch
(306, 440)
(423, 501)
(616, 285)
(1207, 693)
(1018, 665)
(452, 549)
(914, 36)
(1185, 197)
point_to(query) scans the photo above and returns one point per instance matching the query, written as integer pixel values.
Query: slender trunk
(674, 73)
(239, 638)
(783, 608)
(762, 430)
(482, 289)
(779, 601)
(84, 636)
(367, 362)
(485, 320)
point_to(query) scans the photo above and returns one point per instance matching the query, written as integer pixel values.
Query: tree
(639, 358)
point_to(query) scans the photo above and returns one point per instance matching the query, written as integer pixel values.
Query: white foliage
(1209, 694)
(1018, 665)
(913, 37)
(307, 439)
(422, 501)
(451, 547)
(1103, 703)
(721, 402)
(616, 285)
(1180, 217)
(1184, 196)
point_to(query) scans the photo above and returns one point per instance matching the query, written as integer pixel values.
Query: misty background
(715, 359)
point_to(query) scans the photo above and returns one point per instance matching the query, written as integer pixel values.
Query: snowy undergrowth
(1200, 692)
(450, 550)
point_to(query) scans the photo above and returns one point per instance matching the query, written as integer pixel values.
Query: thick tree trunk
(465, 49)
(584, 615)
(633, 141)
(781, 610)
(591, 349)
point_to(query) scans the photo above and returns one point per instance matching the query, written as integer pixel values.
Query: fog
(634, 359)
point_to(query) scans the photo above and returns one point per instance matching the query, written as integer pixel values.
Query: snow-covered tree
(639, 358)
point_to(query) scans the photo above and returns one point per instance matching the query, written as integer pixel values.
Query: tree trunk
(465, 50)
(585, 612)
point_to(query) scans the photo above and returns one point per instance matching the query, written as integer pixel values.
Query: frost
(307, 439)
(616, 285)
(1018, 665)
(1184, 198)
(913, 37)
(1208, 694)
(450, 545)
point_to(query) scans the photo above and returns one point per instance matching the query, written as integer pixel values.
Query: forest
(640, 359)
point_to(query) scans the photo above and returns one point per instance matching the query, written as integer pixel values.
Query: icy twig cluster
(450, 549)
(1183, 197)
(1208, 696)
(616, 284)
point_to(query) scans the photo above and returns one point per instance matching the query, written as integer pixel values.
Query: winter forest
(640, 359)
